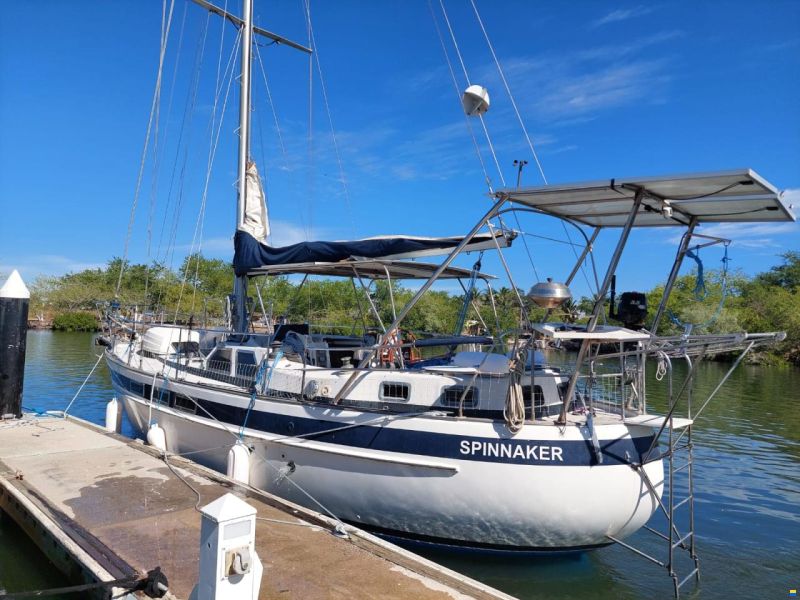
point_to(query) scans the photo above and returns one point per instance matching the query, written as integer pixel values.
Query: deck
(111, 506)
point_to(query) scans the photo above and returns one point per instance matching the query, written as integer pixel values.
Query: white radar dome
(475, 100)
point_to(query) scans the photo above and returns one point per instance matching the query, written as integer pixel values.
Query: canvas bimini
(467, 440)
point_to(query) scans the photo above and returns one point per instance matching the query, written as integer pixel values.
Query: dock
(104, 507)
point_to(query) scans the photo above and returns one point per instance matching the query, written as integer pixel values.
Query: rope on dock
(339, 528)
(153, 585)
(171, 467)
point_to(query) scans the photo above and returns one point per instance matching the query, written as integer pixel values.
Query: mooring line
(66, 410)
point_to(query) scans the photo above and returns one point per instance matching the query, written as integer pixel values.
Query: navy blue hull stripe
(424, 443)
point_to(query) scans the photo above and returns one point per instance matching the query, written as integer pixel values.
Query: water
(22, 566)
(747, 477)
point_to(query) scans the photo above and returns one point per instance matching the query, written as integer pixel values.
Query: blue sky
(605, 89)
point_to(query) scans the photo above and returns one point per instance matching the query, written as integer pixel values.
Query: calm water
(747, 482)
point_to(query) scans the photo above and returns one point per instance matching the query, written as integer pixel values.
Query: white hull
(456, 499)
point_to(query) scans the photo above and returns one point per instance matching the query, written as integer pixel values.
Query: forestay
(727, 196)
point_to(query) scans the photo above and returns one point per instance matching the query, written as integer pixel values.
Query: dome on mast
(475, 100)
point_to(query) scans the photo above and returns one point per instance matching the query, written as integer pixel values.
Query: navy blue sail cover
(249, 254)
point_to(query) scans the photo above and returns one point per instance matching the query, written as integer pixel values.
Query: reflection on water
(55, 366)
(747, 479)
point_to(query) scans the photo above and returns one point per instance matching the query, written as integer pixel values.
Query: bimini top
(369, 268)
(253, 258)
(737, 196)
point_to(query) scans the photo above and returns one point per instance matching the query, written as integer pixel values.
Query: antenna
(520, 164)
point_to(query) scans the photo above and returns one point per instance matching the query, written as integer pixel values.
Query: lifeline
(511, 451)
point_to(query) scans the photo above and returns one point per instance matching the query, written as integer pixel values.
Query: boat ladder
(673, 443)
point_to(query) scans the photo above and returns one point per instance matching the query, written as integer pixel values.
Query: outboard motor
(632, 308)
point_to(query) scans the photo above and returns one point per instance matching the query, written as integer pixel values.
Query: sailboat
(459, 440)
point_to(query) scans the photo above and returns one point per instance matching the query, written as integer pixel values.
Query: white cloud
(619, 51)
(570, 88)
(560, 149)
(749, 230)
(781, 46)
(283, 234)
(622, 14)
(611, 87)
(754, 235)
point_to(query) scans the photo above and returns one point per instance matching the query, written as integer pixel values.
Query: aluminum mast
(239, 317)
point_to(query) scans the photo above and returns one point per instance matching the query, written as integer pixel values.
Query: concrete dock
(103, 507)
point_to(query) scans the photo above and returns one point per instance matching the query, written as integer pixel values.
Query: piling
(14, 300)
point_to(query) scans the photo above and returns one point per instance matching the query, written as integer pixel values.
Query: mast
(240, 318)
(244, 106)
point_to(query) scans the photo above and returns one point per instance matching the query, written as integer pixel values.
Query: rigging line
(217, 84)
(284, 153)
(66, 410)
(483, 123)
(211, 154)
(202, 216)
(522, 125)
(178, 209)
(285, 522)
(165, 28)
(543, 237)
(523, 308)
(491, 150)
(466, 76)
(525, 243)
(156, 162)
(157, 158)
(486, 135)
(455, 43)
(178, 146)
(265, 459)
(186, 125)
(487, 179)
(508, 90)
(343, 180)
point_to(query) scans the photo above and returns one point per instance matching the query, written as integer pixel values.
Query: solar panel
(737, 196)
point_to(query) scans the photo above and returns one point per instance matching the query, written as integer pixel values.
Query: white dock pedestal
(229, 566)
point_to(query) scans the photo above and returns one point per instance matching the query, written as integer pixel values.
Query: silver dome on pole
(549, 294)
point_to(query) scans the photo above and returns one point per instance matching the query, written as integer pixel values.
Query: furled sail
(256, 221)
(251, 255)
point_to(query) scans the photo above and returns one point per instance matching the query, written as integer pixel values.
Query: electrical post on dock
(14, 300)
(229, 566)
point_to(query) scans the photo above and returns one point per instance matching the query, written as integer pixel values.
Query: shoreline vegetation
(768, 301)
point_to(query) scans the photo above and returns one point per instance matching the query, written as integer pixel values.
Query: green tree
(786, 275)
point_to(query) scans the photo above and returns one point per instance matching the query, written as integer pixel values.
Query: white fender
(156, 437)
(238, 467)
(113, 416)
